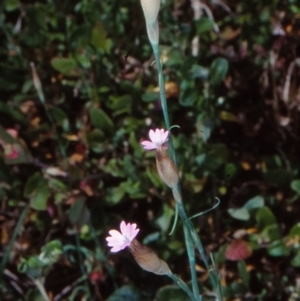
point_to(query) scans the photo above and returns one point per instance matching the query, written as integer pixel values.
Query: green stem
(41, 288)
(99, 254)
(163, 99)
(12, 241)
(82, 269)
(192, 261)
(193, 236)
(183, 286)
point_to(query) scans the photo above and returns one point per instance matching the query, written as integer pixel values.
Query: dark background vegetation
(75, 167)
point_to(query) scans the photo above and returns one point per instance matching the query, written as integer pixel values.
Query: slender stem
(182, 285)
(41, 288)
(192, 260)
(12, 241)
(99, 254)
(82, 269)
(193, 236)
(163, 99)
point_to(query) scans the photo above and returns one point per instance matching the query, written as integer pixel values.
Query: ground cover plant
(79, 95)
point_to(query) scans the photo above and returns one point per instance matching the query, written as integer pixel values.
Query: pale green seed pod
(147, 259)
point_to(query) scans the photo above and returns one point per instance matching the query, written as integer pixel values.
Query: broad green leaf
(164, 220)
(12, 5)
(218, 71)
(79, 214)
(188, 97)
(66, 66)
(95, 139)
(125, 293)
(154, 177)
(207, 128)
(33, 183)
(230, 170)
(296, 260)
(243, 272)
(270, 233)
(13, 113)
(239, 213)
(120, 104)
(150, 96)
(256, 202)
(59, 117)
(265, 217)
(99, 39)
(278, 248)
(295, 185)
(100, 120)
(39, 199)
(172, 293)
(204, 25)
(295, 231)
(114, 195)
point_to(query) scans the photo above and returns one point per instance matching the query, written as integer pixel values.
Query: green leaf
(204, 25)
(164, 220)
(172, 293)
(296, 260)
(256, 202)
(13, 112)
(207, 128)
(12, 5)
(278, 248)
(230, 170)
(150, 96)
(218, 71)
(66, 66)
(120, 104)
(100, 120)
(60, 117)
(239, 213)
(264, 217)
(295, 185)
(35, 181)
(99, 40)
(243, 272)
(188, 97)
(39, 199)
(79, 214)
(114, 195)
(271, 233)
(125, 293)
(295, 231)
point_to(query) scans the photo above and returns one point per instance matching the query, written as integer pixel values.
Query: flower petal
(119, 241)
(148, 145)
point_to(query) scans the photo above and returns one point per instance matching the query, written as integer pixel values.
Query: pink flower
(157, 137)
(119, 241)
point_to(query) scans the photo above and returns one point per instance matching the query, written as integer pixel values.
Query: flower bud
(153, 32)
(151, 9)
(147, 259)
(166, 167)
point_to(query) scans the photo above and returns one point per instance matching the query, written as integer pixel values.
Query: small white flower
(157, 137)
